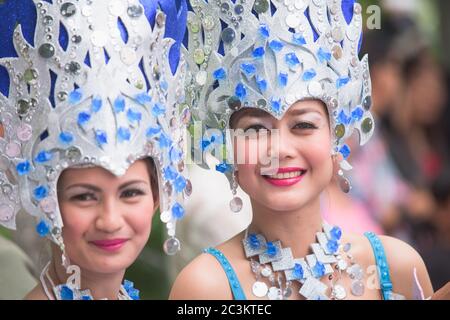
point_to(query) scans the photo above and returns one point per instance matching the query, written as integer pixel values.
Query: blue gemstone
(164, 141)
(309, 74)
(83, 117)
(357, 114)
(342, 81)
(101, 137)
(282, 79)
(170, 173)
(177, 211)
(318, 270)
(223, 167)
(127, 285)
(96, 104)
(42, 228)
(43, 156)
(336, 233)
(164, 85)
(276, 45)
(134, 294)
(152, 131)
(175, 154)
(23, 168)
(158, 109)
(345, 151)
(75, 96)
(271, 249)
(262, 84)
(123, 134)
(258, 52)
(86, 298)
(248, 68)
(323, 55)
(332, 246)
(298, 271)
(240, 91)
(65, 137)
(220, 74)
(217, 138)
(179, 183)
(298, 39)
(254, 242)
(343, 118)
(292, 60)
(204, 144)
(40, 193)
(143, 98)
(275, 103)
(119, 104)
(264, 30)
(133, 116)
(66, 293)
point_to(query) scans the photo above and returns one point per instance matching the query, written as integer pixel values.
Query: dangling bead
(236, 204)
(172, 246)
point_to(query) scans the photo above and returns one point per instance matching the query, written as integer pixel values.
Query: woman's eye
(132, 193)
(256, 127)
(84, 197)
(305, 125)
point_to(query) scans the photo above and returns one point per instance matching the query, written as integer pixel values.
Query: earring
(344, 183)
(236, 203)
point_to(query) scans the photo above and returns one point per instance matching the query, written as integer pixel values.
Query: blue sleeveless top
(378, 250)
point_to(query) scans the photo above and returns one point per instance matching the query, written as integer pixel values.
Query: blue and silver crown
(90, 83)
(268, 54)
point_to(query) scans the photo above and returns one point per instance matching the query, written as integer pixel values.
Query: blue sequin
(318, 270)
(177, 211)
(254, 241)
(258, 52)
(86, 298)
(264, 30)
(66, 137)
(298, 39)
(240, 91)
(134, 115)
(127, 284)
(357, 114)
(248, 68)
(204, 144)
(170, 173)
(158, 109)
(298, 272)
(271, 250)
(292, 60)
(66, 293)
(143, 98)
(75, 96)
(179, 183)
(119, 104)
(40, 192)
(220, 74)
(323, 55)
(164, 141)
(336, 232)
(83, 117)
(152, 131)
(96, 104)
(134, 293)
(43, 156)
(42, 228)
(23, 168)
(276, 45)
(345, 151)
(175, 154)
(342, 81)
(343, 118)
(332, 246)
(123, 134)
(262, 84)
(223, 167)
(309, 74)
(164, 85)
(282, 79)
(101, 137)
(275, 104)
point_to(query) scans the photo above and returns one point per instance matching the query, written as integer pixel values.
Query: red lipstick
(109, 245)
(285, 178)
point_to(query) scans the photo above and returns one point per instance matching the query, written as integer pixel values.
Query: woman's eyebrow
(126, 184)
(83, 185)
(301, 111)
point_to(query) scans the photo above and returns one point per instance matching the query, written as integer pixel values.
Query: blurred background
(401, 178)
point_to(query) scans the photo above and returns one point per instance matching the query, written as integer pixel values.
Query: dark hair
(153, 178)
(440, 187)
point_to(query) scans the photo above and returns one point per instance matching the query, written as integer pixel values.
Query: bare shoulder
(402, 260)
(36, 294)
(203, 279)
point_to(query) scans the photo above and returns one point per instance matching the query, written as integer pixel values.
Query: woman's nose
(110, 217)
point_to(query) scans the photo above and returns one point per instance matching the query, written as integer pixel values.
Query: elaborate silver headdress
(268, 54)
(95, 89)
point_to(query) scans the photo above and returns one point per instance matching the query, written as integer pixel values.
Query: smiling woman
(93, 135)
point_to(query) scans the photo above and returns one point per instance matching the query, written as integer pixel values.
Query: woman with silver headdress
(93, 143)
(283, 79)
